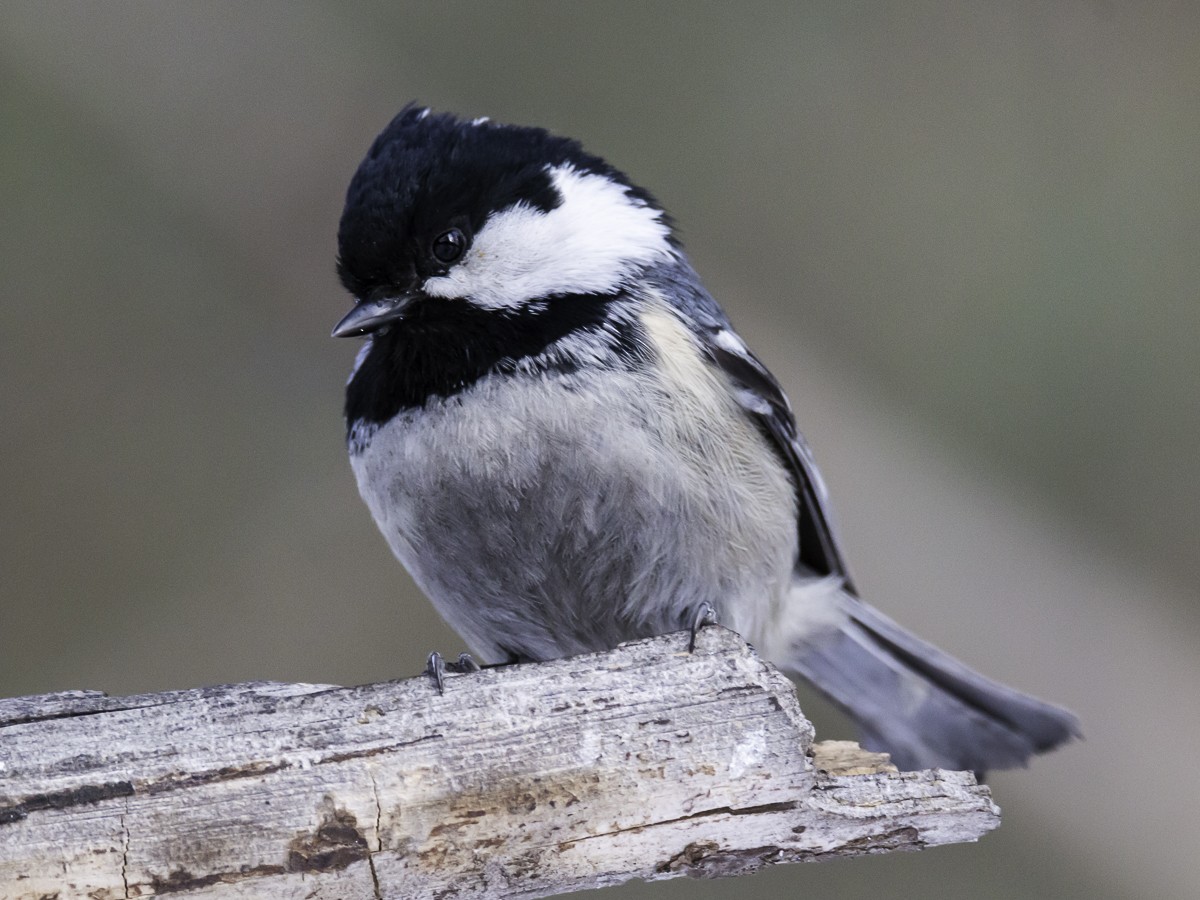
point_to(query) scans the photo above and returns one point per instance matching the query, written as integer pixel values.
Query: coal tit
(565, 442)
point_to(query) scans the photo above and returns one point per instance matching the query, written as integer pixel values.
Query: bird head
(499, 217)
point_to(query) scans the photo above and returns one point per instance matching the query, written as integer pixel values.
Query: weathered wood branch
(520, 781)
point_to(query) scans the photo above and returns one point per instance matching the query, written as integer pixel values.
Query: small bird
(567, 445)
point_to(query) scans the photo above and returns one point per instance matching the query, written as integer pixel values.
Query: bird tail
(909, 698)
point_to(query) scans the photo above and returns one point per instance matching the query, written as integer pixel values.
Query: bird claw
(706, 615)
(465, 664)
(437, 667)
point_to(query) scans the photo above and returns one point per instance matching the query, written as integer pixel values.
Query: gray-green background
(964, 235)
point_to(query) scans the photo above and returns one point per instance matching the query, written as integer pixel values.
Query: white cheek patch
(590, 243)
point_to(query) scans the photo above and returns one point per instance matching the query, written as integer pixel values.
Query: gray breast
(546, 515)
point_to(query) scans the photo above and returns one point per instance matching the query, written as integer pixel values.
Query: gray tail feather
(919, 704)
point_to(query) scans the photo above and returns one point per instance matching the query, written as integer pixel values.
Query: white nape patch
(590, 243)
(482, 120)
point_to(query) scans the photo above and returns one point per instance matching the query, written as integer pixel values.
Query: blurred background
(964, 235)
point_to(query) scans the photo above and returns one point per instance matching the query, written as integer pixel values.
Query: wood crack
(378, 836)
(125, 851)
(716, 811)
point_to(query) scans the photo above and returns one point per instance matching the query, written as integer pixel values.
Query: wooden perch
(520, 781)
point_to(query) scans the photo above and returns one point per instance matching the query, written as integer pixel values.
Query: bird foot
(438, 668)
(706, 615)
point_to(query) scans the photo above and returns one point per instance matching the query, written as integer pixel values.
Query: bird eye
(449, 246)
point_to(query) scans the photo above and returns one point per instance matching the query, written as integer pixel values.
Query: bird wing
(760, 395)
